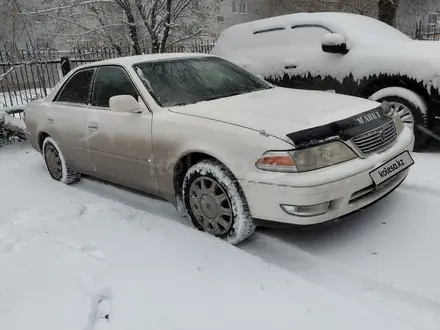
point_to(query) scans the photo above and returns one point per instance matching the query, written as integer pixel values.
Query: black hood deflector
(344, 129)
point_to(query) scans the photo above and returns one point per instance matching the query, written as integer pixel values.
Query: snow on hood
(280, 111)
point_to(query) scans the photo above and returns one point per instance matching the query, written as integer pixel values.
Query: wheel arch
(185, 162)
(377, 83)
(41, 137)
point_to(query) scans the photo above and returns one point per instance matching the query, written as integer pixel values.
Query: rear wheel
(58, 169)
(215, 202)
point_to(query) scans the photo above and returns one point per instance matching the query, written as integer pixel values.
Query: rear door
(120, 144)
(67, 119)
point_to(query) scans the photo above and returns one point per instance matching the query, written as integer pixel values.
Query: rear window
(77, 88)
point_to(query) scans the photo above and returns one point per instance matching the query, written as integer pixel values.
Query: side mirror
(334, 43)
(124, 103)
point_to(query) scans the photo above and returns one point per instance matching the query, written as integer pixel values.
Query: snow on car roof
(356, 28)
(130, 60)
(273, 48)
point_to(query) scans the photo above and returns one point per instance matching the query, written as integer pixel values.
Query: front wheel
(215, 202)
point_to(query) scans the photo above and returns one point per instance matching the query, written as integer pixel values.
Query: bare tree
(384, 10)
(279, 7)
(149, 25)
(387, 10)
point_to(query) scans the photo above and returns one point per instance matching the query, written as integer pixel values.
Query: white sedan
(225, 146)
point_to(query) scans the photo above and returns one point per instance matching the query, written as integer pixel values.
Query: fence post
(65, 65)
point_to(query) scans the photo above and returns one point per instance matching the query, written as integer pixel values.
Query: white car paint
(229, 130)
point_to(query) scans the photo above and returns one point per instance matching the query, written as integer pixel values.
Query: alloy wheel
(211, 206)
(404, 112)
(53, 162)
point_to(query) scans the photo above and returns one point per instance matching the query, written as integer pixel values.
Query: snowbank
(11, 123)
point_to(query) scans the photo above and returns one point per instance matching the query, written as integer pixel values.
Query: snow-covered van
(346, 53)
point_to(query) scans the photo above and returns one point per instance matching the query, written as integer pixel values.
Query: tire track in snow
(379, 296)
(420, 189)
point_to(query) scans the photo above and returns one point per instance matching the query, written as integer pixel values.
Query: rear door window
(307, 35)
(77, 88)
(111, 81)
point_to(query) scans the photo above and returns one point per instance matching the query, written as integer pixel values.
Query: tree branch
(38, 12)
(11, 69)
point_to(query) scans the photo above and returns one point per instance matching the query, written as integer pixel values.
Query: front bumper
(348, 187)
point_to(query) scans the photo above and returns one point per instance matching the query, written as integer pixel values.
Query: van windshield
(183, 81)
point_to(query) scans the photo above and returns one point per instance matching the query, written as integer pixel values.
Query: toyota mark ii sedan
(226, 147)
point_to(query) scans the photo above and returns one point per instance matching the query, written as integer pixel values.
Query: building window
(243, 7)
(42, 43)
(239, 6)
(432, 19)
(220, 19)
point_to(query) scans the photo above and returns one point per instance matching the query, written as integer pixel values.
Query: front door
(306, 65)
(120, 144)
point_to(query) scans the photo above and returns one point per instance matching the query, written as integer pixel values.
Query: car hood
(279, 111)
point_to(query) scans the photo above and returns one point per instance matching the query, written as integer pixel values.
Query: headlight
(322, 156)
(308, 159)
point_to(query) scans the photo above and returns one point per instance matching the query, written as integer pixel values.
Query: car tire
(56, 164)
(405, 98)
(215, 202)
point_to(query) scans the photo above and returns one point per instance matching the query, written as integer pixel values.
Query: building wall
(226, 16)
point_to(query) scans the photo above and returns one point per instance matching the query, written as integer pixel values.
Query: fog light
(306, 210)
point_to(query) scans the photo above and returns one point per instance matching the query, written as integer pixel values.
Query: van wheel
(411, 108)
(58, 169)
(215, 202)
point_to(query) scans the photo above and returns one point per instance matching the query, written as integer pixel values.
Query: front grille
(376, 140)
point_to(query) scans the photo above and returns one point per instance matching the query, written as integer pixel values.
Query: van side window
(77, 88)
(111, 81)
(307, 35)
(270, 30)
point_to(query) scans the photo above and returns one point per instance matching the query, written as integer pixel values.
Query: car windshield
(185, 81)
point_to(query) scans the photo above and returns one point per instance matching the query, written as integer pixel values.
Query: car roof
(299, 18)
(354, 28)
(130, 60)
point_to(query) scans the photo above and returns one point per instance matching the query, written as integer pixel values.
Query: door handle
(93, 126)
(292, 66)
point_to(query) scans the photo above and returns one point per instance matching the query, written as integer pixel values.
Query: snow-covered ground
(92, 256)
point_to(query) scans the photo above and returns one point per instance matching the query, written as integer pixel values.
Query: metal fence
(427, 32)
(30, 74)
